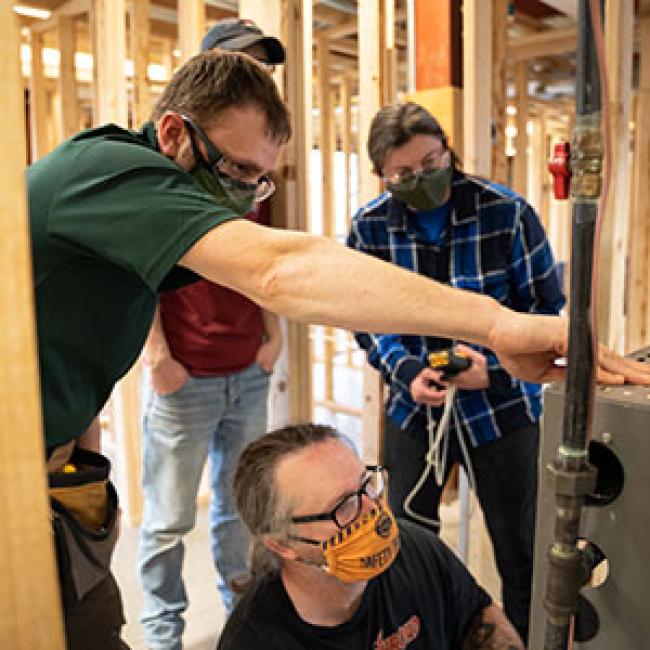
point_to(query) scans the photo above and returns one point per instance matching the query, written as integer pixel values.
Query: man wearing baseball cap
(209, 356)
(241, 35)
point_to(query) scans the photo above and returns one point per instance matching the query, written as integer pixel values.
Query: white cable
(436, 456)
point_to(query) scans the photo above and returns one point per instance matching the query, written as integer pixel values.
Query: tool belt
(84, 510)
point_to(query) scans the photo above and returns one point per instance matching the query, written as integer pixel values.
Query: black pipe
(574, 476)
(586, 166)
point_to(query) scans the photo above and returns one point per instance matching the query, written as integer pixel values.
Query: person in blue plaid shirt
(479, 236)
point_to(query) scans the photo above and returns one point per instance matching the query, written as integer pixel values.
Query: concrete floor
(205, 616)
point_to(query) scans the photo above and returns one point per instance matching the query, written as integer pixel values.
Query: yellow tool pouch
(84, 517)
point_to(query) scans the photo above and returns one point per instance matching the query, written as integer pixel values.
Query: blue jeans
(208, 416)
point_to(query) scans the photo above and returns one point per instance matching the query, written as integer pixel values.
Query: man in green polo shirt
(118, 216)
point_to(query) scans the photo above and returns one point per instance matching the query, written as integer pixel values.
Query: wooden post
(109, 50)
(371, 95)
(638, 287)
(38, 100)
(69, 119)
(191, 27)
(345, 101)
(537, 169)
(30, 611)
(389, 53)
(619, 37)
(326, 142)
(499, 41)
(520, 169)
(438, 65)
(139, 37)
(294, 200)
(477, 91)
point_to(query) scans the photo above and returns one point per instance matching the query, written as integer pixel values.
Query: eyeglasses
(349, 508)
(229, 172)
(407, 178)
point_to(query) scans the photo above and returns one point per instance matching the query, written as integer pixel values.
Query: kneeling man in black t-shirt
(332, 569)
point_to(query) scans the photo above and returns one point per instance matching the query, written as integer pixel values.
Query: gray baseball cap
(236, 34)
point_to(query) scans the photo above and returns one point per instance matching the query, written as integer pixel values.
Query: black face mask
(238, 195)
(224, 189)
(428, 191)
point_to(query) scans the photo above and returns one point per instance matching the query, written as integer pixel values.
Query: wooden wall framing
(30, 612)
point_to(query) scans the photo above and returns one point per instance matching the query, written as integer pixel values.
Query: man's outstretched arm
(313, 279)
(491, 630)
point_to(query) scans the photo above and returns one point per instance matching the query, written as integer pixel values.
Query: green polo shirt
(110, 217)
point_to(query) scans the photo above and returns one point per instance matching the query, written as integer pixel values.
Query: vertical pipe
(574, 478)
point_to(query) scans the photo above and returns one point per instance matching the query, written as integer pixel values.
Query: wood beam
(38, 100)
(619, 41)
(477, 87)
(547, 43)
(638, 286)
(348, 28)
(109, 54)
(499, 37)
(520, 163)
(296, 34)
(140, 36)
(69, 118)
(191, 27)
(30, 611)
(346, 86)
(69, 9)
(370, 101)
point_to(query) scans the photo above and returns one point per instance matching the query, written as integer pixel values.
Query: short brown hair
(213, 81)
(393, 126)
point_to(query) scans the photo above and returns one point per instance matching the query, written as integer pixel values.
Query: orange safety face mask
(365, 548)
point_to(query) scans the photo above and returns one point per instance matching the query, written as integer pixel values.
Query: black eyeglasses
(228, 171)
(349, 507)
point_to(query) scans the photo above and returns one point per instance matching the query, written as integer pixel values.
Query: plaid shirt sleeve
(533, 278)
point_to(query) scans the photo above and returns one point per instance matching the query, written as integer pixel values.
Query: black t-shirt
(423, 601)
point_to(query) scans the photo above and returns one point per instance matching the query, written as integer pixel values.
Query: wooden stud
(109, 54)
(499, 38)
(477, 93)
(191, 27)
(38, 100)
(638, 286)
(293, 201)
(371, 94)
(520, 167)
(140, 34)
(550, 42)
(69, 119)
(345, 102)
(619, 37)
(326, 142)
(30, 612)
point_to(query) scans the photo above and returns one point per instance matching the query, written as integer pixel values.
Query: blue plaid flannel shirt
(495, 245)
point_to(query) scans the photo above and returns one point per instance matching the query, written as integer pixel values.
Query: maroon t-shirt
(210, 329)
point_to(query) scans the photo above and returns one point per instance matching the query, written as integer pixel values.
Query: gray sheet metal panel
(621, 530)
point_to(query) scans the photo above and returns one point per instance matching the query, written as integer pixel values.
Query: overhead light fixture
(32, 12)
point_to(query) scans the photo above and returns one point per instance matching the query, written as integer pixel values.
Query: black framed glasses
(407, 179)
(349, 507)
(228, 171)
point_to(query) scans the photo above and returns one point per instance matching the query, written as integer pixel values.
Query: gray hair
(260, 505)
(393, 126)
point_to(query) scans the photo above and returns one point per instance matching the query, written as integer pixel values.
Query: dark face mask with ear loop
(431, 188)
(236, 194)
